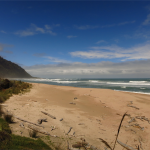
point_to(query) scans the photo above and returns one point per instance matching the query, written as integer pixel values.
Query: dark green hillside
(9, 69)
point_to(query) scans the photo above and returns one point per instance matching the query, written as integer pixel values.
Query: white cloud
(25, 33)
(48, 27)
(71, 36)
(36, 30)
(56, 60)
(51, 59)
(147, 21)
(100, 41)
(138, 68)
(110, 52)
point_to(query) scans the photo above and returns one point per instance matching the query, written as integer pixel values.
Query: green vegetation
(10, 141)
(8, 117)
(9, 69)
(8, 88)
(7, 139)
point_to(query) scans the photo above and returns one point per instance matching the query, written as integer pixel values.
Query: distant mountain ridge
(9, 69)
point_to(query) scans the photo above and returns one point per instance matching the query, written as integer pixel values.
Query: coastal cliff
(9, 69)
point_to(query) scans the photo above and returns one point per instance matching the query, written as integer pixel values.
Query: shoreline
(96, 113)
(128, 85)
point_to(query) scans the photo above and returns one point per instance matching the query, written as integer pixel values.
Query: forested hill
(9, 69)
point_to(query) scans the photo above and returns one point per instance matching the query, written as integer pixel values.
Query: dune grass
(8, 88)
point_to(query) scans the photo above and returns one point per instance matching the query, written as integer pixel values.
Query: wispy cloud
(118, 24)
(3, 46)
(2, 31)
(138, 68)
(148, 7)
(110, 52)
(56, 60)
(147, 21)
(85, 27)
(101, 41)
(71, 36)
(51, 59)
(126, 22)
(141, 33)
(37, 30)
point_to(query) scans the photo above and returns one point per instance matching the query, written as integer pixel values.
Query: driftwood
(81, 124)
(53, 128)
(82, 148)
(132, 120)
(133, 131)
(94, 148)
(61, 119)
(80, 144)
(69, 131)
(4, 105)
(72, 103)
(137, 126)
(29, 122)
(125, 146)
(38, 130)
(140, 144)
(42, 120)
(48, 115)
(143, 118)
(22, 125)
(133, 106)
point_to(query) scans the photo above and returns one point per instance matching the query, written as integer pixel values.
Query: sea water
(127, 85)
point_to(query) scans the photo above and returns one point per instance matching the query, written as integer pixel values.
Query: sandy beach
(92, 114)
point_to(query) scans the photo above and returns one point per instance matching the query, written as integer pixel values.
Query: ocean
(128, 85)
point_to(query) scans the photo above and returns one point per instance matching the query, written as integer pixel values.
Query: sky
(77, 39)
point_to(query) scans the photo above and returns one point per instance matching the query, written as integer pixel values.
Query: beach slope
(92, 114)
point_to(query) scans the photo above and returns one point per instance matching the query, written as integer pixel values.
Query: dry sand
(97, 114)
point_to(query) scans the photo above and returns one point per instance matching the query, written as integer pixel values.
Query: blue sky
(68, 39)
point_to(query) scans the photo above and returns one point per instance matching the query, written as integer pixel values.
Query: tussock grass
(32, 133)
(8, 117)
(8, 88)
